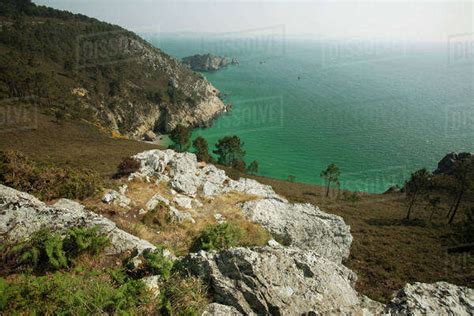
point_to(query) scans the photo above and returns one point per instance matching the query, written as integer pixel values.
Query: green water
(379, 113)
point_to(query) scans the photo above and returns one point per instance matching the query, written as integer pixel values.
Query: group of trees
(424, 186)
(229, 149)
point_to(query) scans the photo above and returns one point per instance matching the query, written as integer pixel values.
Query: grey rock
(178, 216)
(21, 215)
(153, 283)
(303, 226)
(207, 62)
(183, 201)
(216, 309)
(155, 200)
(116, 198)
(439, 298)
(278, 281)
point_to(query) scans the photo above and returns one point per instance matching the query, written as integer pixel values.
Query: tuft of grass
(184, 296)
(218, 237)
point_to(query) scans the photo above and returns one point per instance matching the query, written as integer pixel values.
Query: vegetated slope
(79, 67)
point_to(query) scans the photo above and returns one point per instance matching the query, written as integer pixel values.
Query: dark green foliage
(82, 239)
(46, 182)
(43, 251)
(180, 136)
(201, 149)
(156, 263)
(218, 237)
(331, 176)
(253, 167)
(47, 251)
(128, 166)
(71, 294)
(152, 262)
(230, 152)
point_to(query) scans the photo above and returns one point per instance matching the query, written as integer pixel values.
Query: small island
(208, 62)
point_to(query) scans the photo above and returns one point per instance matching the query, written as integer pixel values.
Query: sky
(409, 20)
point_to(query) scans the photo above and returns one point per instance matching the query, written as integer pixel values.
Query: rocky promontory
(208, 62)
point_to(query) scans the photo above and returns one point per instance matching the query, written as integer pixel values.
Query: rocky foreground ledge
(301, 274)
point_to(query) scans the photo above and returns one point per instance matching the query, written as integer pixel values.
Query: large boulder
(303, 226)
(276, 280)
(22, 214)
(439, 298)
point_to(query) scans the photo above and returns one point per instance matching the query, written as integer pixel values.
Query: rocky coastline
(208, 62)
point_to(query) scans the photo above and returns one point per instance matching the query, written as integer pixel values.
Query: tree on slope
(331, 176)
(201, 149)
(415, 187)
(230, 152)
(464, 182)
(180, 136)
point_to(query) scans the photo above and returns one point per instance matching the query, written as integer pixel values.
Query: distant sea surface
(378, 110)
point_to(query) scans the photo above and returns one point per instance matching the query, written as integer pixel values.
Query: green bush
(47, 251)
(151, 262)
(71, 294)
(218, 237)
(46, 182)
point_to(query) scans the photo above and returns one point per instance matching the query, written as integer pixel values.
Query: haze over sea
(379, 110)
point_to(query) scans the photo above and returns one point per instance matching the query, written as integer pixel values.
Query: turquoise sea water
(377, 110)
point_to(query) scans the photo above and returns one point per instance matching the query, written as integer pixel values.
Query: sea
(378, 109)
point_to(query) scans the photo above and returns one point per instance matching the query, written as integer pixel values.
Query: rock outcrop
(276, 280)
(439, 298)
(185, 175)
(22, 214)
(447, 164)
(208, 62)
(302, 225)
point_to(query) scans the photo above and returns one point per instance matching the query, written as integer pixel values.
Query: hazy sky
(410, 20)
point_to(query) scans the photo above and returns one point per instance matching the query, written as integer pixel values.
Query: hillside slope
(82, 68)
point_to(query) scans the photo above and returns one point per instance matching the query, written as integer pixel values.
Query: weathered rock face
(207, 62)
(303, 226)
(439, 298)
(187, 176)
(22, 214)
(276, 280)
(446, 165)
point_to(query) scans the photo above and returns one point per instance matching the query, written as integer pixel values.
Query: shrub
(128, 166)
(71, 294)
(218, 237)
(150, 262)
(44, 181)
(46, 251)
